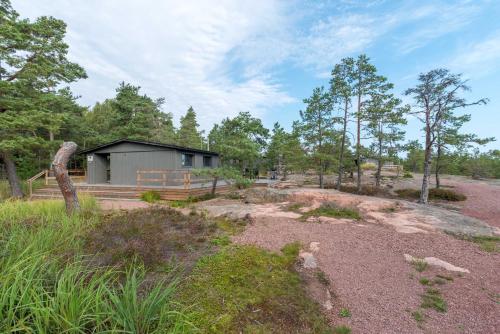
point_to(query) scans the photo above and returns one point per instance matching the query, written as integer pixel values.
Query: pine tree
(33, 60)
(188, 134)
(316, 129)
(436, 96)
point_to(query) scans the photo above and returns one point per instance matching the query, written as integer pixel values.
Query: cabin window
(207, 161)
(187, 160)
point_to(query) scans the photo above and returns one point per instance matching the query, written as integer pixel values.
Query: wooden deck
(106, 191)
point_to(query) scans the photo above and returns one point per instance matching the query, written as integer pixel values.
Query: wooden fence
(169, 177)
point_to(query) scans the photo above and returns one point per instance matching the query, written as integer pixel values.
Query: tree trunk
(341, 158)
(438, 158)
(358, 144)
(379, 165)
(214, 185)
(321, 174)
(59, 165)
(424, 194)
(10, 168)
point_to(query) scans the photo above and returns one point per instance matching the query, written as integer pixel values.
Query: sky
(266, 56)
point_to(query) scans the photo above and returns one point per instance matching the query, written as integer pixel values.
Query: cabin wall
(96, 168)
(127, 158)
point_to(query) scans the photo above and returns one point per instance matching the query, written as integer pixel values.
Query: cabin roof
(149, 143)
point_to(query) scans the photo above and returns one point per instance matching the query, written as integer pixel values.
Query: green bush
(408, 175)
(330, 209)
(434, 194)
(368, 166)
(150, 196)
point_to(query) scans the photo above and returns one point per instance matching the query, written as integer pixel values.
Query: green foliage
(434, 194)
(418, 316)
(488, 243)
(188, 134)
(246, 289)
(419, 265)
(240, 141)
(368, 166)
(285, 153)
(330, 209)
(342, 330)
(150, 196)
(432, 299)
(345, 313)
(49, 287)
(425, 281)
(407, 175)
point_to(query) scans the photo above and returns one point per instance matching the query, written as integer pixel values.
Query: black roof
(150, 143)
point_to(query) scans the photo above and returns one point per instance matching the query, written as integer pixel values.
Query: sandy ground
(365, 260)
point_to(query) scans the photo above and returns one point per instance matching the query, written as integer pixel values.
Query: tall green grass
(48, 285)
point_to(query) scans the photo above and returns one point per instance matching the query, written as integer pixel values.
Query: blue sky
(265, 56)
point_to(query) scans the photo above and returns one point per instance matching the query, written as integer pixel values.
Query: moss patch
(244, 289)
(330, 209)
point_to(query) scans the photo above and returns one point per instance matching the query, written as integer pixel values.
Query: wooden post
(63, 180)
(164, 177)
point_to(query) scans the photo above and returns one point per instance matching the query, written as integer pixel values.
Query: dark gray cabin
(118, 162)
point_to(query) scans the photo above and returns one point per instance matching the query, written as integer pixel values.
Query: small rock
(328, 305)
(309, 260)
(434, 261)
(314, 246)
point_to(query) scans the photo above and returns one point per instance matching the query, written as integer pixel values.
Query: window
(207, 161)
(187, 160)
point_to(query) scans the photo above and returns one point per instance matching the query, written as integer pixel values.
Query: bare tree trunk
(10, 168)
(321, 174)
(214, 185)
(341, 158)
(424, 194)
(438, 158)
(63, 180)
(379, 165)
(358, 144)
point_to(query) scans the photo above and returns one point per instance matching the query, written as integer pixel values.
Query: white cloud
(183, 51)
(478, 59)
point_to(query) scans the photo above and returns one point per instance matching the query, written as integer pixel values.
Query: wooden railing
(75, 174)
(166, 176)
(34, 178)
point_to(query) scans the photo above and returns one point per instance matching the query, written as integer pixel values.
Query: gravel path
(366, 266)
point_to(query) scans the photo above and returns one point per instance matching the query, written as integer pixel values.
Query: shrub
(408, 175)
(368, 166)
(434, 194)
(150, 196)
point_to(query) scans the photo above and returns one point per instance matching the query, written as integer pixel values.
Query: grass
(419, 265)
(434, 194)
(488, 243)
(294, 207)
(50, 286)
(432, 299)
(425, 281)
(150, 196)
(342, 330)
(345, 313)
(118, 273)
(419, 317)
(190, 200)
(330, 209)
(244, 289)
(322, 278)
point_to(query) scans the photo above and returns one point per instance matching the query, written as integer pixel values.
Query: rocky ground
(366, 265)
